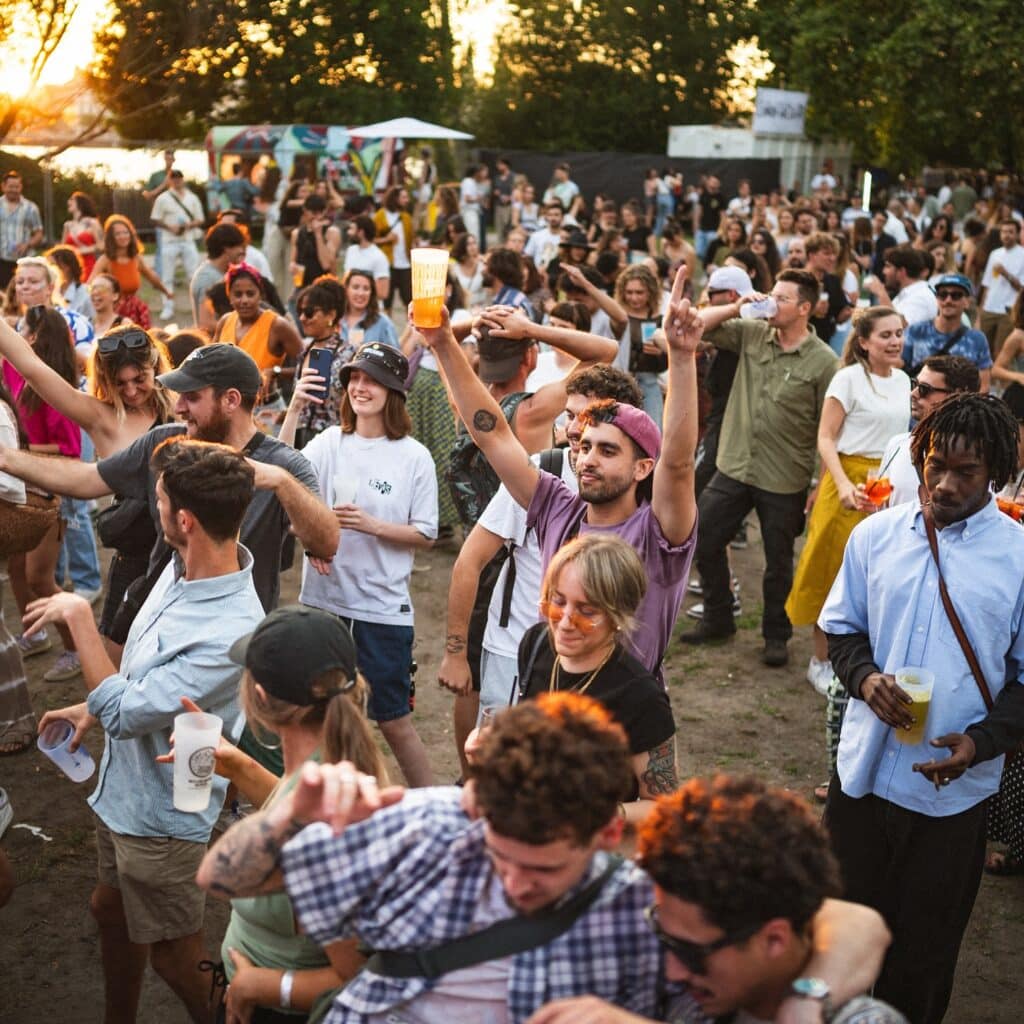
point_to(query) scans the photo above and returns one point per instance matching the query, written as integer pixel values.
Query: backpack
(469, 475)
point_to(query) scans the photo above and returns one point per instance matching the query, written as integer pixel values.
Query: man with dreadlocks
(908, 822)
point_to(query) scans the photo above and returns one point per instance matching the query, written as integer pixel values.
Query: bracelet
(285, 998)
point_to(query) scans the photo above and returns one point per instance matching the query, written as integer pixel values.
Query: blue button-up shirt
(411, 877)
(177, 647)
(888, 589)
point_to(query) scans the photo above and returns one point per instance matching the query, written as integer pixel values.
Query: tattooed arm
(245, 860)
(656, 774)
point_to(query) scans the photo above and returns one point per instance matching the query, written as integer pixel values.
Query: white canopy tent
(406, 128)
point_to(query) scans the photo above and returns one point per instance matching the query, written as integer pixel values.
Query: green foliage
(596, 75)
(933, 82)
(279, 61)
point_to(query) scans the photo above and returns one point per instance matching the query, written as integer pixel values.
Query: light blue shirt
(888, 589)
(177, 647)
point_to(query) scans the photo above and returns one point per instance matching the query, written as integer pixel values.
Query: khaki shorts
(156, 876)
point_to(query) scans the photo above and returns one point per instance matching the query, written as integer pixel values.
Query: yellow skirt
(827, 533)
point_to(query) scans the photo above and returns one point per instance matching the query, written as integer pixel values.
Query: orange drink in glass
(429, 276)
(877, 489)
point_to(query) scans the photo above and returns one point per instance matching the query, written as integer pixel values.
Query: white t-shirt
(507, 519)
(901, 472)
(601, 324)
(394, 481)
(256, 259)
(1000, 295)
(876, 408)
(371, 259)
(400, 247)
(916, 302)
(542, 246)
(11, 488)
(170, 208)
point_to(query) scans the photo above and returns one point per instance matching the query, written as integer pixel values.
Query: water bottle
(759, 309)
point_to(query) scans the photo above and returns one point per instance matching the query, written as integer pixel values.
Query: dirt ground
(732, 714)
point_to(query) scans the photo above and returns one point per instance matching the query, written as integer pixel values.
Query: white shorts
(497, 678)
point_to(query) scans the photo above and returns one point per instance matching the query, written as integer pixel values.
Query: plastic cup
(344, 489)
(53, 742)
(196, 737)
(918, 684)
(429, 277)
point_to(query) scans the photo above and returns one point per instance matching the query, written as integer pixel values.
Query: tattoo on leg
(660, 774)
(454, 643)
(484, 421)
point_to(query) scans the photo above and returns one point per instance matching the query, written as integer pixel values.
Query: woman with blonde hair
(589, 597)
(300, 685)
(867, 402)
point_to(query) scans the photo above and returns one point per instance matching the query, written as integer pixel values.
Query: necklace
(556, 667)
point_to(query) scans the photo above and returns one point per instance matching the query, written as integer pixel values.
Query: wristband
(285, 998)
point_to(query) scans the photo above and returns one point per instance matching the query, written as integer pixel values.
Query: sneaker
(694, 586)
(67, 666)
(697, 611)
(92, 596)
(167, 312)
(739, 542)
(819, 675)
(703, 635)
(775, 653)
(6, 812)
(34, 643)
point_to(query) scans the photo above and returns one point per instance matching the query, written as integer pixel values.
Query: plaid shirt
(17, 226)
(411, 876)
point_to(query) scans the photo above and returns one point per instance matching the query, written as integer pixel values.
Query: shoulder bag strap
(947, 603)
(957, 335)
(504, 938)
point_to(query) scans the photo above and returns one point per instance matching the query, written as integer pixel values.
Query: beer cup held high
(429, 276)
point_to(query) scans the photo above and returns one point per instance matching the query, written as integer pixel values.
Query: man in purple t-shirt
(632, 482)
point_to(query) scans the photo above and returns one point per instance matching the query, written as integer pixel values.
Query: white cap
(730, 279)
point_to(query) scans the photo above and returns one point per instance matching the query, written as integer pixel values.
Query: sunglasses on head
(133, 338)
(950, 293)
(693, 955)
(924, 390)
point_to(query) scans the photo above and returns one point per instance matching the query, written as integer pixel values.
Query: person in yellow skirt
(867, 402)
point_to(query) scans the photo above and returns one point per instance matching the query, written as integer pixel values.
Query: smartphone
(320, 359)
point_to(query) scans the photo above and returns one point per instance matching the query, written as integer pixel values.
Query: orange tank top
(127, 276)
(256, 340)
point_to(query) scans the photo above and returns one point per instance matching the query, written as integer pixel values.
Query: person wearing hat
(381, 484)
(586, 285)
(630, 483)
(299, 684)
(217, 387)
(949, 333)
(573, 250)
(145, 902)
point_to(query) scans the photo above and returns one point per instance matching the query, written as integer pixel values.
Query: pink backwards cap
(633, 422)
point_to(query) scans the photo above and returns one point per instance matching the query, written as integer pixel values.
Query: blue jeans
(78, 557)
(703, 240)
(663, 210)
(654, 400)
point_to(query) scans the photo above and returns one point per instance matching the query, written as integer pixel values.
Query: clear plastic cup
(343, 487)
(918, 684)
(429, 277)
(196, 738)
(53, 742)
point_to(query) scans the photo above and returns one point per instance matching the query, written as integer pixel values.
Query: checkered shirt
(17, 226)
(410, 877)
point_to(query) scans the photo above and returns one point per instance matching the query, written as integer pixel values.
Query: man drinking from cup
(145, 902)
(908, 822)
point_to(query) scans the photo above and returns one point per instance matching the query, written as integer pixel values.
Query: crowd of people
(611, 393)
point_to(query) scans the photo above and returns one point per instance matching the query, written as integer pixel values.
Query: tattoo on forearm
(454, 643)
(484, 421)
(660, 774)
(247, 855)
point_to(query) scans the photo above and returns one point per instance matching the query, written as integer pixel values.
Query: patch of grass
(770, 710)
(750, 619)
(690, 718)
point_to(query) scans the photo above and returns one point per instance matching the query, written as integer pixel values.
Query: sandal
(1003, 865)
(16, 739)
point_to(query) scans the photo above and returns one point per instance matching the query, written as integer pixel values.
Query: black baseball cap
(215, 366)
(291, 647)
(384, 363)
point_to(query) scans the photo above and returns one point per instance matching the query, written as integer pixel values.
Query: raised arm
(70, 477)
(482, 415)
(715, 316)
(674, 502)
(616, 314)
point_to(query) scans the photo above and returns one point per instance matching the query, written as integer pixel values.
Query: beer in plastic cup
(918, 684)
(344, 489)
(429, 277)
(53, 742)
(196, 737)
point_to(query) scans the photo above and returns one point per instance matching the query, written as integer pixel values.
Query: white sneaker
(819, 675)
(167, 312)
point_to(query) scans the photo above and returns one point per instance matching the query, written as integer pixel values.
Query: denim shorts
(384, 654)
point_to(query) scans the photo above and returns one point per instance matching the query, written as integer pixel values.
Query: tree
(588, 74)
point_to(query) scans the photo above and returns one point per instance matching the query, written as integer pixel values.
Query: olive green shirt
(770, 431)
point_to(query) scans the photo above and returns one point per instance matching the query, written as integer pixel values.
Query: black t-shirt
(637, 238)
(636, 700)
(711, 206)
(825, 326)
(265, 526)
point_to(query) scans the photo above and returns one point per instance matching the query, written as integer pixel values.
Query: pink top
(45, 425)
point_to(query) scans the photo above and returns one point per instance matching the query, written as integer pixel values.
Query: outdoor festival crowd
(611, 392)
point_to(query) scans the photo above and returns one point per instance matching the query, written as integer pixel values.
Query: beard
(216, 428)
(603, 490)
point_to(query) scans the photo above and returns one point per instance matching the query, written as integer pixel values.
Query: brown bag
(22, 527)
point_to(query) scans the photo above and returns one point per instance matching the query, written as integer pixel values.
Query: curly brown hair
(743, 852)
(552, 768)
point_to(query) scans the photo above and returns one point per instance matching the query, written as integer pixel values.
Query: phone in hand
(320, 359)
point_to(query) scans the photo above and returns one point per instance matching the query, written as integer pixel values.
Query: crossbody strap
(947, 603)
(504, 938)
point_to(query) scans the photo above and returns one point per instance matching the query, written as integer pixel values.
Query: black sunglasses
(950, 293)
(132, 338)
(927, 389)
(693, 955)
